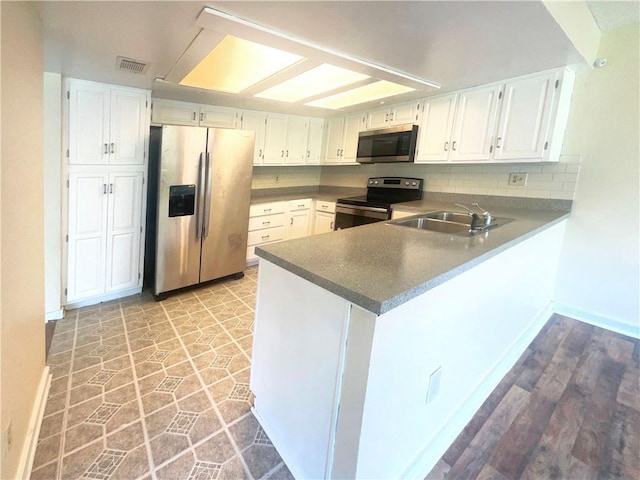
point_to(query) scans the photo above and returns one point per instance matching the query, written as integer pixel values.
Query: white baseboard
(431, 453)
(103, 298)
(55, 315)
(33, 430)
(602, 321)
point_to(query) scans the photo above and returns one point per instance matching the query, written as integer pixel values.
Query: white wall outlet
(434, 384)
(518, 179)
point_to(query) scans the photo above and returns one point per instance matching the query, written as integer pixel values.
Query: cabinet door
(297, 133)
(88, 124)
(314, 143)
(377, 119)
(434, 136)
(256, 121)
(220, 117)
(406, 113)
(128, 127)
(324, 222)
(474, 124)
(352, 127)
(87, 245)
(123, 234)
(298, 224)
(168, 112)
(334, 135)
(524, 118)
(275, 141)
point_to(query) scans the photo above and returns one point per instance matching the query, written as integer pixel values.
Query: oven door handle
(358, 207)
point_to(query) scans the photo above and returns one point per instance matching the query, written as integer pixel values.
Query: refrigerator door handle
(200, 199)
(207, 196)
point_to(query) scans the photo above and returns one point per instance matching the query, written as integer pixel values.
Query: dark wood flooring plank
(518, 443)
(490, 473)
(483, 444)
(552, 457)
(621, 456)
(543, 348)
(590, 442)
(618, 347)
(629, 391)
(465, 437)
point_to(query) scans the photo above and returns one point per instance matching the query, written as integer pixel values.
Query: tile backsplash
(548, 180)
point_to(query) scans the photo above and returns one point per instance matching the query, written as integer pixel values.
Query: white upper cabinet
(434, 133)
(256, 122)
(395, 115)
(524, 118)
(219, 117)
(275, 139)
(334, 138)
(314, 141)
(107, 125)
(474, 124)
(352, 126)
(341, 139)
(297, 135)
(169, 112)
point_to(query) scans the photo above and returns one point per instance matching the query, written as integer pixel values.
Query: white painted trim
(602, 321)
(104, 298)
(429, 456)
(55, 315)
(35, 421)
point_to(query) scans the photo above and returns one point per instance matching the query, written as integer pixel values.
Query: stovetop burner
(384, 191)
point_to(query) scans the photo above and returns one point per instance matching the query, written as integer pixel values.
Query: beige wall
(599, 271)
(21, 227)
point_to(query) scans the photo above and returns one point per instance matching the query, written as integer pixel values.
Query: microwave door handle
(207, 195)
(200, 198)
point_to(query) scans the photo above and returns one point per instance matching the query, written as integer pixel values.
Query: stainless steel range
(375, 206)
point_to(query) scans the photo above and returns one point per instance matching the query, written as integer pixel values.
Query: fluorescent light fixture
(242, 21)
(236, 64)
(320, 79)
(366, 93)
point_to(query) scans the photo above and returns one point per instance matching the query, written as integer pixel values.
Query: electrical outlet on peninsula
(518, 179)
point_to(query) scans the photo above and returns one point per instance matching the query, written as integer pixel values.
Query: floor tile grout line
(65, 417)
(210, 397)
(143, 423)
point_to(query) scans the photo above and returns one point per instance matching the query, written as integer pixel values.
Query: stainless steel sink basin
(453, 223)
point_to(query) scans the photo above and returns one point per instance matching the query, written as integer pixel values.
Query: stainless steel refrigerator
(203, 198)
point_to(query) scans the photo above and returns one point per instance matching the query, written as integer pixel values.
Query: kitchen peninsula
(375, 345)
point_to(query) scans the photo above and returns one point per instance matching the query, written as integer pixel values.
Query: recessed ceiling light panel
(366, 93)
(236, 64)
(320, 79)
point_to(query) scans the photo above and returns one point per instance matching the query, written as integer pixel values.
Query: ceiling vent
(130, 65)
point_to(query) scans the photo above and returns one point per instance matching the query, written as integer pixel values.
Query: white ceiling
(456, 44)
(610, 14)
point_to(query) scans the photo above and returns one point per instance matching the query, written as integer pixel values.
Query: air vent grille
(131, 65)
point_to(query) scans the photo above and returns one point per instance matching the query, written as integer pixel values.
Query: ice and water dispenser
(182, 200)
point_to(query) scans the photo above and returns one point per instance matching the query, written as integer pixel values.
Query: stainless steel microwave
(387, 145)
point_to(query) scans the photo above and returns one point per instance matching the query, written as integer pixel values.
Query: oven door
(348, 216)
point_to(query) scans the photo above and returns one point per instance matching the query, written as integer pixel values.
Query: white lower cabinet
(266, 225)
(325, 217)
(299, 218)
(104, 233)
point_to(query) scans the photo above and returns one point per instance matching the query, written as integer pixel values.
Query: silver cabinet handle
(331, 225)
(265, 210)
(338, 152)
(260, 154)
(287, 155)
(308, 153)
(291, 222)
(201, 116)
(265, 237)
(194, 116)
(386, 117)
(113, 146)
(453, 145)
(392, 116)
(282, 154)
(300, 206)
(104, 188)
(106, 148)
(342, 152)
(111, 188)
(266, 223)
(446, 146)
(499, 142)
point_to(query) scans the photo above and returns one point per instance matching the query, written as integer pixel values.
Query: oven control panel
(395, 182)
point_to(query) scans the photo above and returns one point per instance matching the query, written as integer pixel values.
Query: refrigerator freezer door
(178, 242)
(224, 248)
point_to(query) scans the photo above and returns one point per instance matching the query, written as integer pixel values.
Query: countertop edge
(380, 308)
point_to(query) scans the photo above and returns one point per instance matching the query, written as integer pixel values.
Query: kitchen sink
(453, 223)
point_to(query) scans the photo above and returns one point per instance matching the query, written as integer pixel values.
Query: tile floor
(156, 390)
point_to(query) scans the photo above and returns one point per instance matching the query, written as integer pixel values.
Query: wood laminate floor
(568, 409)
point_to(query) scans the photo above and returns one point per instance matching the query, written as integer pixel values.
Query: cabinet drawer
(303, 204)
(267, 209)
(266, 236)
(266, 221)
(323, 206)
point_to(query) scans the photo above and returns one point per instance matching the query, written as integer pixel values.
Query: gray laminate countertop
(380, 266)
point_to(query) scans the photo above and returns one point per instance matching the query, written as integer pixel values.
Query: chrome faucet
(486, 216)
